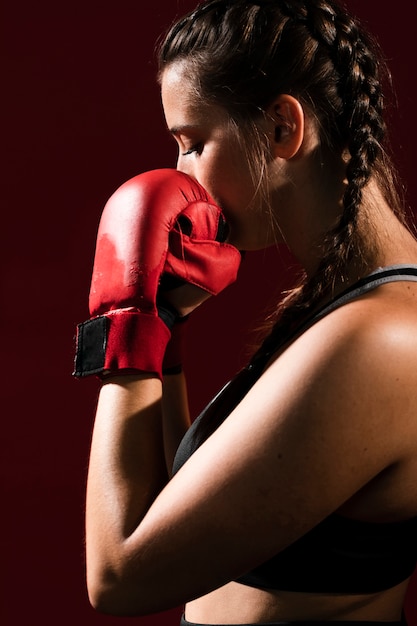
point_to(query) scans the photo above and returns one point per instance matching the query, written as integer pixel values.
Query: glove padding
(158, 230)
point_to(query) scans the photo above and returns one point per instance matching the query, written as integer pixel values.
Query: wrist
(121, 342)
(174, 353)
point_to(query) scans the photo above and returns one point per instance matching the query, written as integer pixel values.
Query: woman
(294, 495)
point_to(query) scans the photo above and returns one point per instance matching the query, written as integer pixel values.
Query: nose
(184, 165)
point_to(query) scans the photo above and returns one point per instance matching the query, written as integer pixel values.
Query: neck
(381, 238)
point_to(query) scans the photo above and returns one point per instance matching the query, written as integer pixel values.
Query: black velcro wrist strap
(91, 347)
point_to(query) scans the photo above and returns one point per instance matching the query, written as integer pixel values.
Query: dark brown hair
(241, 54)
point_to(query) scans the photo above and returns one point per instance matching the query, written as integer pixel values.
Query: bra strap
(379, 277)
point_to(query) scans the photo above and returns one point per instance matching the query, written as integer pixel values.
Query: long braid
(363, 129)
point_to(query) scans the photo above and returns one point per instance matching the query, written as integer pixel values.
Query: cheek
(232, 188)
(212, 174)
(224, 189)
(229, 183)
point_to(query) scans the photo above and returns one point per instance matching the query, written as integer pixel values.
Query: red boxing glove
(158, 225)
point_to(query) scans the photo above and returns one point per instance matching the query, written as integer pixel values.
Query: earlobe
(287, 116)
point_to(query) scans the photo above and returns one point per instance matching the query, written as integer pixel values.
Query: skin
(155, 543)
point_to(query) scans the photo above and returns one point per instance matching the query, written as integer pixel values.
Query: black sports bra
(339, 555)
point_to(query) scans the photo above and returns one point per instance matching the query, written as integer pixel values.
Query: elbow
(106, 582)
(109, 601)
(104, 594)
(103, 601)
(107, 604)
(111, 594)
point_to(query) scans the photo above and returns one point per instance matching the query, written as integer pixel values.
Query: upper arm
(309, 434)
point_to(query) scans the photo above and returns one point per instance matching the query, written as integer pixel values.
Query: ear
(286, 118)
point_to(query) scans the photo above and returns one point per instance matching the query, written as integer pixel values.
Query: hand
(158, 230)
(197, 240)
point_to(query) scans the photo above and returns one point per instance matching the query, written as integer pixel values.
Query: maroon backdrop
(81, 115)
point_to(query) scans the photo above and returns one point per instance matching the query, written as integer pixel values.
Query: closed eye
(198, 149)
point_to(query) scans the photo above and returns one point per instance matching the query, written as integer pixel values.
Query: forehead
(179, 97)
(181, 100)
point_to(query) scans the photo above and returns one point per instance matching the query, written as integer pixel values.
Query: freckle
(279, 455)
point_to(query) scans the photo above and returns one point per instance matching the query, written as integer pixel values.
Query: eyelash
(198, 148)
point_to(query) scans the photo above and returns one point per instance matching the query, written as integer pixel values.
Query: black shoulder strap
(375, 279)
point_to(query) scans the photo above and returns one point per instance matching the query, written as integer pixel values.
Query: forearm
(175, 412)
(126, 471)
(140, 420)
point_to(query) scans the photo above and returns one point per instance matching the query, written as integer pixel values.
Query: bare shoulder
(347, 390)
(333, 412)
(361, 358)
(373, 340)
(372, 362)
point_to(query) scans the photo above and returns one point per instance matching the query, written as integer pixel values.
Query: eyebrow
(177, 130)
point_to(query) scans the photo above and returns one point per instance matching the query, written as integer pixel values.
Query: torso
(239, 604)
(391, 496)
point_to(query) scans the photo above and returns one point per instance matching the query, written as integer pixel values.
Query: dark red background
(81, 115)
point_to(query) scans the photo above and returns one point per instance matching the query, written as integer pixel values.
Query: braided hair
(242, 53)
